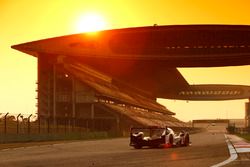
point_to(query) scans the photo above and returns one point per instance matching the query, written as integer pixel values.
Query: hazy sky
(28, 20)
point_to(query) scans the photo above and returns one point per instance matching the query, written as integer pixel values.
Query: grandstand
(71, 89)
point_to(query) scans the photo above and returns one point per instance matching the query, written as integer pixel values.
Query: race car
(157, 137)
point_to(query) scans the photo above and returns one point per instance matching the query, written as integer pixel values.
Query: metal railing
(23, 128)
(33, 124)
(233, 129)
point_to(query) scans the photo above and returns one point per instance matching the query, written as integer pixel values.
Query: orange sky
(28, 20)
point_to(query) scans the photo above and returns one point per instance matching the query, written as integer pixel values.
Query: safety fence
(20, 127)
(233, 129)
(29, 124)
(237, 130)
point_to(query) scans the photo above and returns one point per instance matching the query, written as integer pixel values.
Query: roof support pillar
(92, 115)
(247, 114)
(54, 94)
(118, 124)
(73, 101)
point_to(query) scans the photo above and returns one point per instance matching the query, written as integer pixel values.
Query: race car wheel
(137, 146)
(186, 140)
(171, 140)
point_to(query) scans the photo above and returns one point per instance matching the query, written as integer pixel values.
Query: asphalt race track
(207, 149)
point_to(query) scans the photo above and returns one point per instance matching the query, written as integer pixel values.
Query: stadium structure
(110, 80)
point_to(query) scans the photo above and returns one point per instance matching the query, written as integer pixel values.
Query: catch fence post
(17, 123)
(29, 123)
(39, 124)
(5, 123)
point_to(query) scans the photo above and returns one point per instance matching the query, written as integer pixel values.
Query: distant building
(212, 125)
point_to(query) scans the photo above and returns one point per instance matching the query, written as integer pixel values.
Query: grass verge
(23, 140)
(244, 136)
(12, 138)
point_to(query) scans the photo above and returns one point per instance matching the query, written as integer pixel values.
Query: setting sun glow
(90, 23)
(29, 20)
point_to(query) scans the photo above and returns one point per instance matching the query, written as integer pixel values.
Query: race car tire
(186, 140)
(137, 146)
(155, 146)
(171, 140)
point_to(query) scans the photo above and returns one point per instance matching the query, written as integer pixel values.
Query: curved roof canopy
(176, 45)
(146, 57)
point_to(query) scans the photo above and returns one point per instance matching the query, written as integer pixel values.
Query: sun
(90, 23)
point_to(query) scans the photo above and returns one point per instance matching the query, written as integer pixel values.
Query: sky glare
(28, 20)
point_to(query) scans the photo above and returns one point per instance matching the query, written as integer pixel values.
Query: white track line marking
(233, 154)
